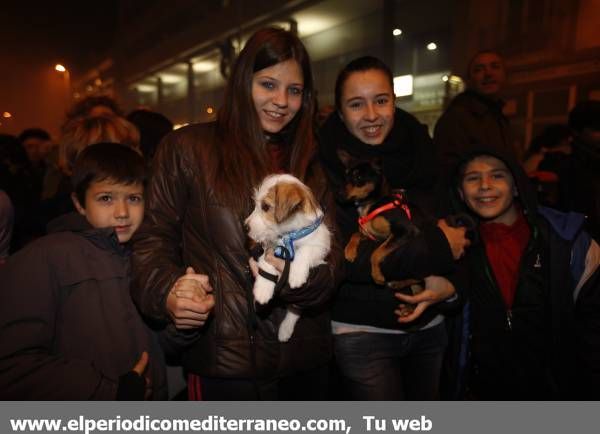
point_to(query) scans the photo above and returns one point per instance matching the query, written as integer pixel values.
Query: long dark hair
(241, 159)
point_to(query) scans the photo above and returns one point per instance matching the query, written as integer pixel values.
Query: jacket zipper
(509, 320)
(488, 273)
(492, 281)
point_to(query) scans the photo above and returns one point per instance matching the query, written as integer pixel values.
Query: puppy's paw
(351, 249)
(286, 328)
(298, 276)
(263, 290)
(350, 252)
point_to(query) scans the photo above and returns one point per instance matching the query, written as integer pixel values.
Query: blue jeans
(379, 366)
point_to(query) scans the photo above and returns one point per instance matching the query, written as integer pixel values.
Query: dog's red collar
(399, 201)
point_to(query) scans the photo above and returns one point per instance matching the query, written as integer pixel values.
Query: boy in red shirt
(531, 272)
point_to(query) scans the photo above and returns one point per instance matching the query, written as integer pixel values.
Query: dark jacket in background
(68, 326)
(529, 351)
(23, 187)
(579, 184)
(185, 226)
(470, 121)
(408, 159)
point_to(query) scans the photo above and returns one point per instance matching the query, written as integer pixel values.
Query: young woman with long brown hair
(193, 236)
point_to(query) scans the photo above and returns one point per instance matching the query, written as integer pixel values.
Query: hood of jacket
(104, 238)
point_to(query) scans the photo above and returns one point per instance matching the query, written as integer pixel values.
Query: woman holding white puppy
(383, 354)
(200, 193)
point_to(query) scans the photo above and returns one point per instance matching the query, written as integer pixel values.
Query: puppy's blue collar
(286, 242)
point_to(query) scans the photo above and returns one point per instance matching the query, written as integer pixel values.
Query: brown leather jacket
(186, 226)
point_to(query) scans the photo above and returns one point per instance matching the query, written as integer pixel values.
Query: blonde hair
(81, 132)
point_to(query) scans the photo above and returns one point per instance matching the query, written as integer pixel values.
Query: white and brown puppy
(285, 212)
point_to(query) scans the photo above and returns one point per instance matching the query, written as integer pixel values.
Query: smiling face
(367, 105)
(277, 94)
(486, 74)
(116, 205)
(488, 190)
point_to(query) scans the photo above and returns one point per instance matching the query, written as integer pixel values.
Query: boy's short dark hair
(103, 161)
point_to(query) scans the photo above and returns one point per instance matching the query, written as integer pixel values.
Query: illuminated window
(403, 85)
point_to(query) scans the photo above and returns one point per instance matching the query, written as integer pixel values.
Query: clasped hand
(190, 300)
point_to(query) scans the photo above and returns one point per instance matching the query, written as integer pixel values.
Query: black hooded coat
(531, 350)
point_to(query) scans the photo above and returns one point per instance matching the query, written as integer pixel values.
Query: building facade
(174, 58)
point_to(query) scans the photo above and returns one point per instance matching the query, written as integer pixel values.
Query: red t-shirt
(504, 247)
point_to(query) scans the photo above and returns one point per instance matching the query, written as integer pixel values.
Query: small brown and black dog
(385, 216)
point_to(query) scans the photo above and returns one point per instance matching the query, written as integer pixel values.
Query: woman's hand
(189, 302)
(437, 289)
(456, 237)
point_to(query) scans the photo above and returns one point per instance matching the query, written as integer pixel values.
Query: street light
(65, 72)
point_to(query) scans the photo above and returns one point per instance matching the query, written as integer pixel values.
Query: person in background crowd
(475, 116)
(93, 106)
(18, 181)
(380, 356)
(84, 131)
(579, 175)
(544, 159)
(37, 144)
(532, 271)
(68, 327)
(553, 141)
(153, 127)
(39, 147)
(7, 216)
(198, 198)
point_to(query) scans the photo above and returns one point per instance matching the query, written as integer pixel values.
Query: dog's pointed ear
(288, 199)
(345, 158)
